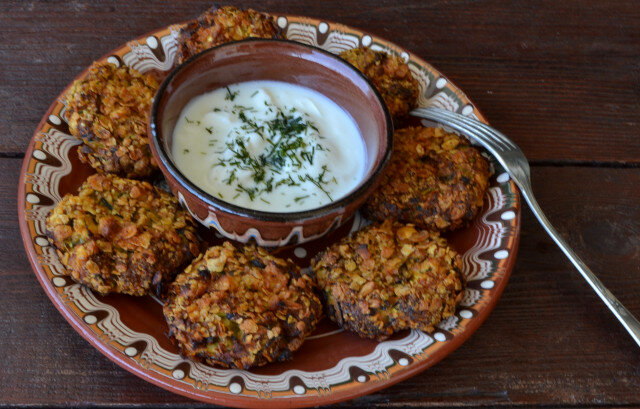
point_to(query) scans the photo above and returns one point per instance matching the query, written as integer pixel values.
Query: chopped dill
(230, 95)
(251, 191)
(318, 180)
(290, 144)
(231, 177)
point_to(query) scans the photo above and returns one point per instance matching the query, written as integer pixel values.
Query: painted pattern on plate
(349, 366)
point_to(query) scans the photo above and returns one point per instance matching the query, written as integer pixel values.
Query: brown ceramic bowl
(277, 60)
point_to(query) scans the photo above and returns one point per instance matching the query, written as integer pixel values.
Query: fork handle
(627, 319)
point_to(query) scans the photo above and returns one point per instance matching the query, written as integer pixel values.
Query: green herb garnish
(292, 143)
(230, 95)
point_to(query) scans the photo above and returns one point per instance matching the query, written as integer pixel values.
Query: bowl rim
(165, 162)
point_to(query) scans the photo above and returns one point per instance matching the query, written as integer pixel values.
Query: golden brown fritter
(434, 179)
(108, 111)
(391, 77)
(122, 235)
(389, 277)
(238, 308)
(222, 25)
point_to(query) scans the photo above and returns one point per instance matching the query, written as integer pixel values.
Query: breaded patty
(390, 75)
(238, 308)
(434, 179)
(389, 277)
(222, 25)
(122, 236)
(108, 111)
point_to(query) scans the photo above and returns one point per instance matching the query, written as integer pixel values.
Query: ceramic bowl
(277, 60)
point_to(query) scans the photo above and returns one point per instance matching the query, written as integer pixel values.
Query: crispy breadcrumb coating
(222, 25)
(391, 77)
(122, 236)
(389, 277)
(434, 179)
(238, 308)
(108, 111)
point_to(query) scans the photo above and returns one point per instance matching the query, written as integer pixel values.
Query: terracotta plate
(332, 365)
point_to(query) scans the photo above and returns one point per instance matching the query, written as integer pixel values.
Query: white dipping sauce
(270, 146)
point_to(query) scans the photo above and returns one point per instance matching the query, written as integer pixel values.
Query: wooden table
(561, 78)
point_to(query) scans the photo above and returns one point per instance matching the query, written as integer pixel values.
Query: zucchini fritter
(434, 179)
(389, 277)
(108, 111)
(391, 77)
(222, 25)
(241, 307)
(122, 236)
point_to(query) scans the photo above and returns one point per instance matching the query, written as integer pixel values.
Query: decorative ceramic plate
(332, 365)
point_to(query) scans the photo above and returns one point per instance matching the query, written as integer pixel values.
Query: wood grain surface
(561, 78)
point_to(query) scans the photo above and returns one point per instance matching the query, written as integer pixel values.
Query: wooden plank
(561, 78)
(550, 341)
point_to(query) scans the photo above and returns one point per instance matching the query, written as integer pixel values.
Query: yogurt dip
(269, 146)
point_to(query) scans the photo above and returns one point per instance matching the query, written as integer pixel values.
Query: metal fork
(515, 163)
